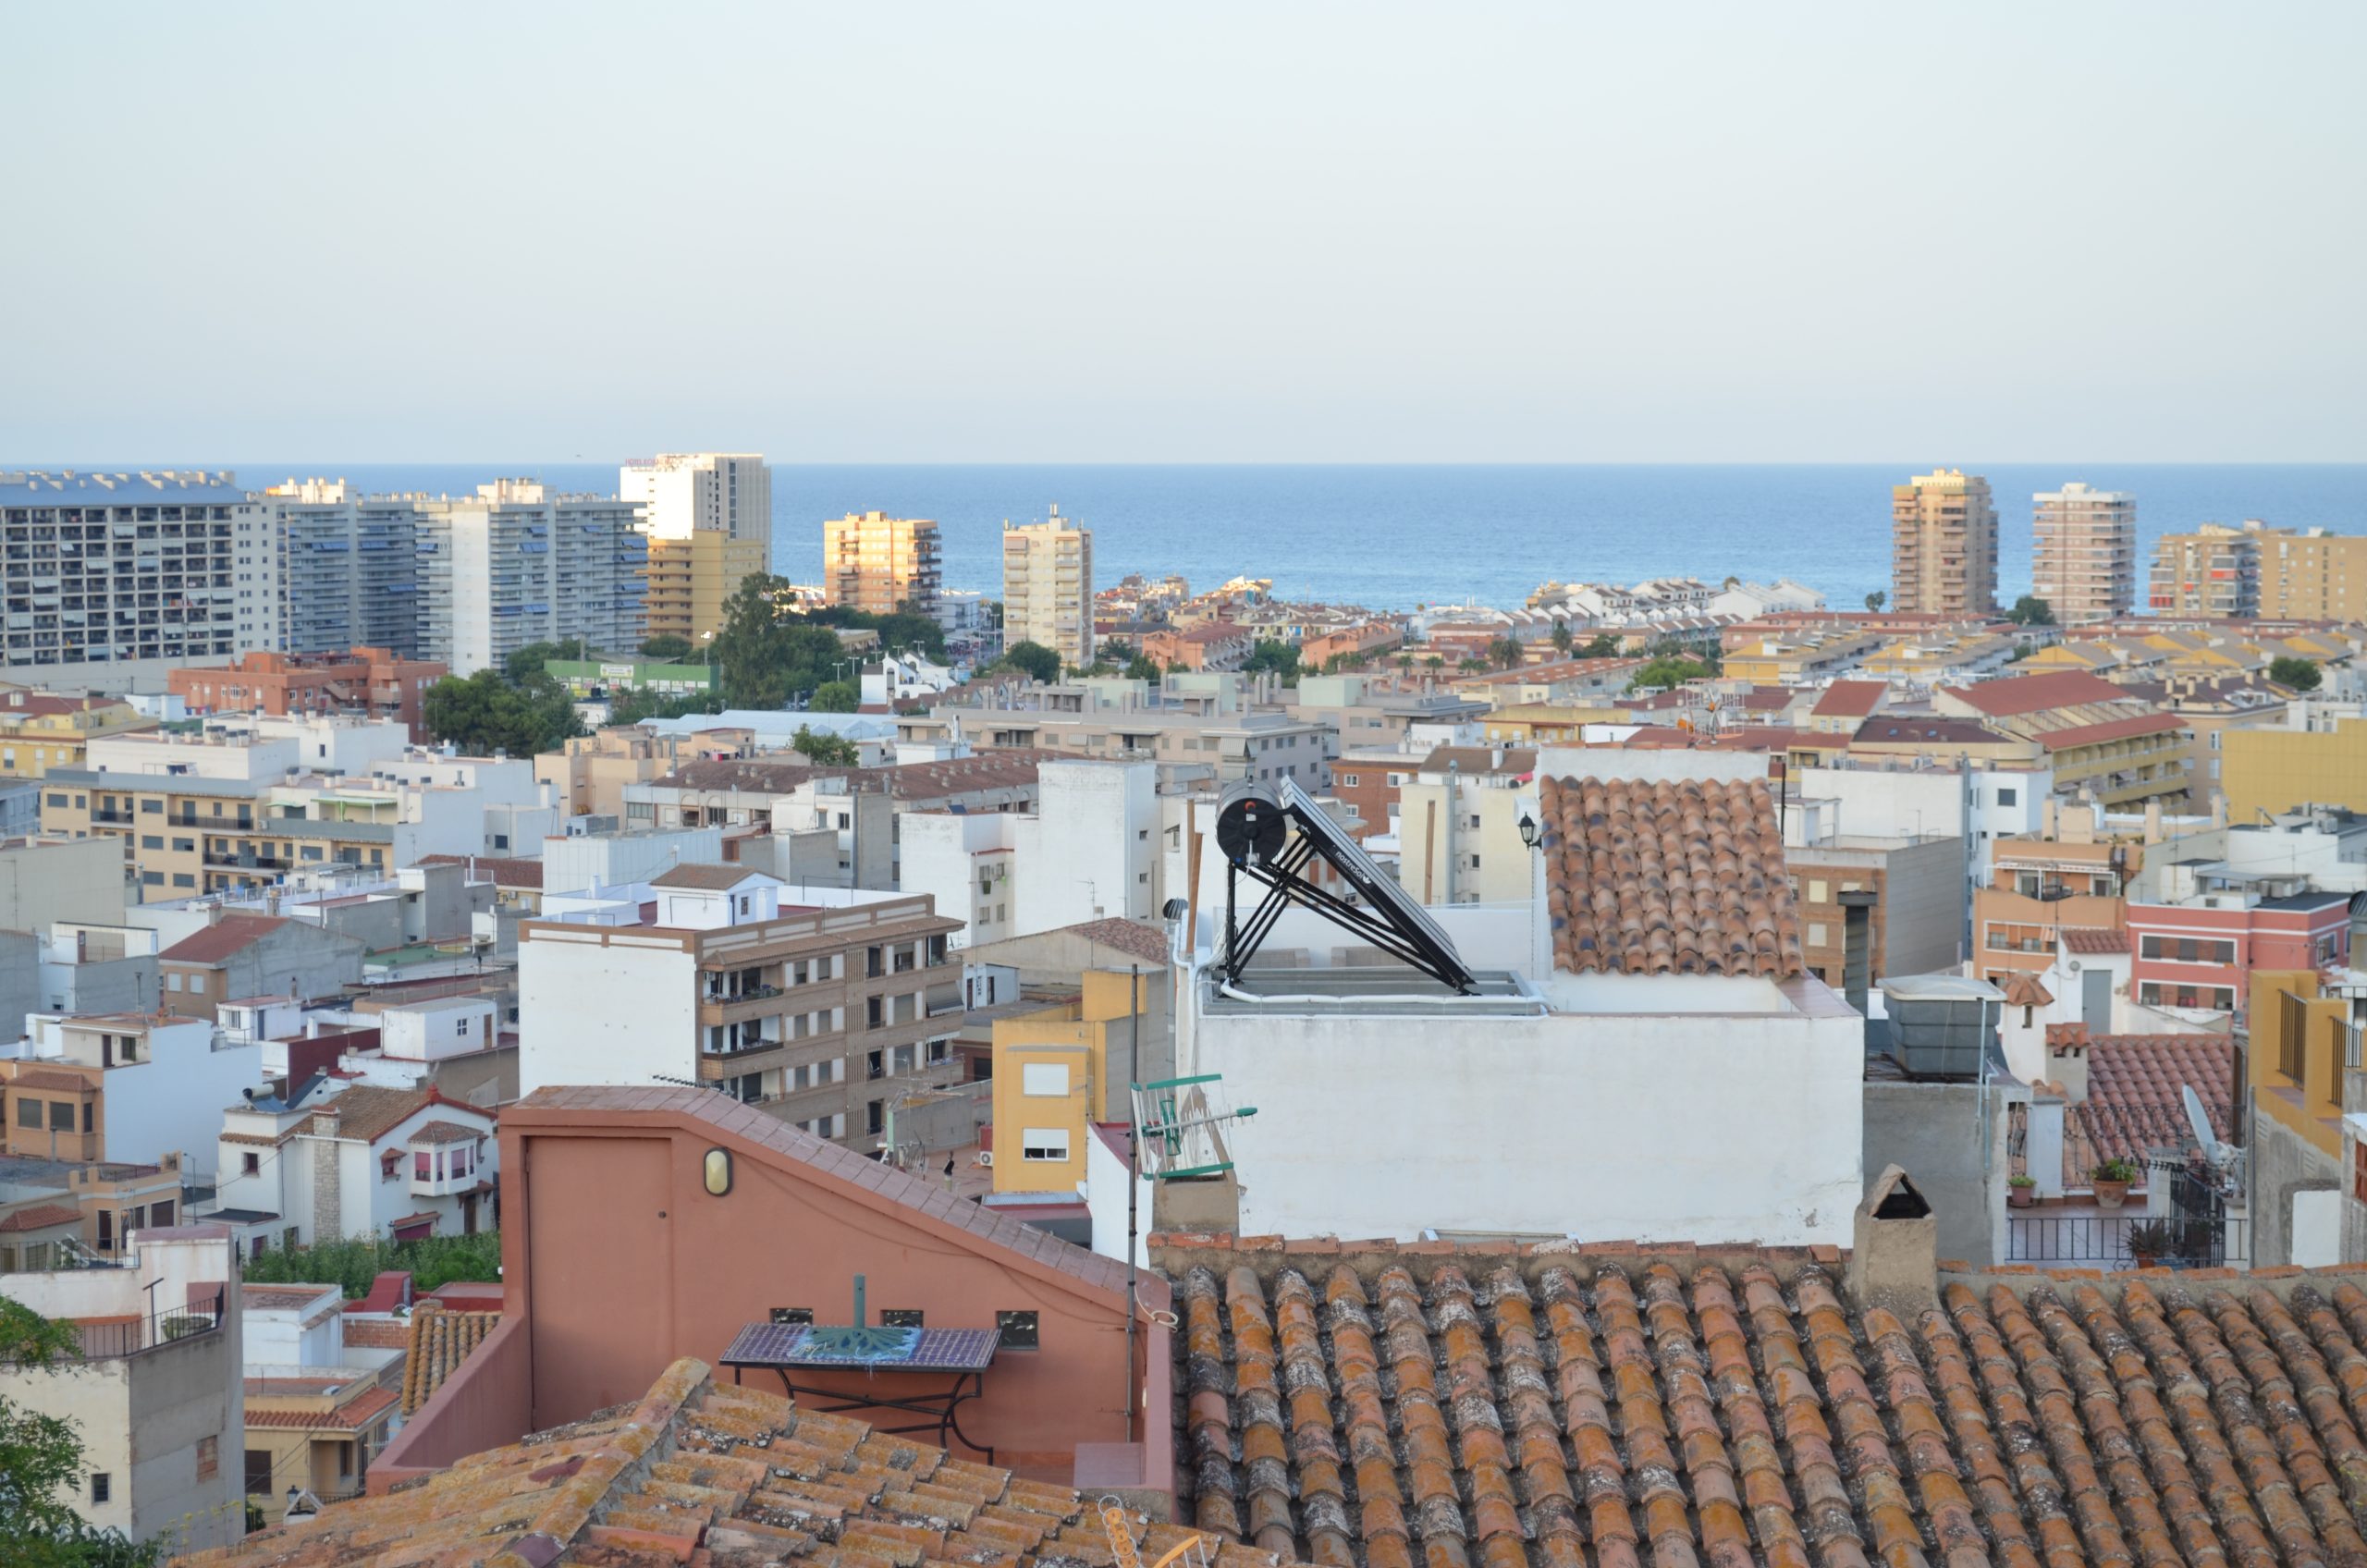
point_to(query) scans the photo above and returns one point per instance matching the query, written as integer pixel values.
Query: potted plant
(2021, 1190)
(2111, 1180)
(2151, 1242)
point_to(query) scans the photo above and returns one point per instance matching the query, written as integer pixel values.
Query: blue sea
(1394, 537)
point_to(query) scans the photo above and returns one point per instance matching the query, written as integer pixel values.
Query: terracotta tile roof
(1932, 731)
(1673, 877)
(1850, 698)
(213, 944)
(2110, 729)
(1139, 939)
(353, 1415)
(49, 1078)
(440, 1341)
(1513, 760)
(710, 879)
(999, 769)
(715, 1474)
(1576, 1413)
(285, 1298)
(2133, 1103)
(445, 1132)
(1657, 737)
(2080, 940)
(2035, 694)
(41, 1216)
(504, 871)
(1019, 1244)
(1769, 699)
(368, 1113)
(2025, 989)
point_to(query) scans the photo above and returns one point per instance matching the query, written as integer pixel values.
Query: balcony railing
(113, 1342)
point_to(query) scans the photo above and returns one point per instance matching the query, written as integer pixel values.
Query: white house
(1626, 1066)
(159, 1082)
(362, 1160)
(1089, 852)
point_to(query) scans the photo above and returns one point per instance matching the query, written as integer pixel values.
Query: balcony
(716, 1066)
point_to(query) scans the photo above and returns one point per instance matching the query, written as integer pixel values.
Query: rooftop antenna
(2226, 1160)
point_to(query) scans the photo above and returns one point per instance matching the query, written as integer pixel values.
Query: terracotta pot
(2110, 1195)
(2021, 1197)
(2145, 1260)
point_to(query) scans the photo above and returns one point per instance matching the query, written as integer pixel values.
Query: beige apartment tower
(708, 518)
(2213, 572)
(878, 563)
(2312, 575)
(2085, 553)
(1944, 546)
(1048, 587)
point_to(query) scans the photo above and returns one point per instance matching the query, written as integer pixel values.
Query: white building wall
(571, 866)
(1105, 1199)
(174, 1103)
(622, 1015)
(1671, 1127)
(1088, 851)
(943, 856)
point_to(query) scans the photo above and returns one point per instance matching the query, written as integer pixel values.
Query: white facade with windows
(518, 565)
(683, 493)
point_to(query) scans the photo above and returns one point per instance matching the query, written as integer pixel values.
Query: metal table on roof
(962, 1353)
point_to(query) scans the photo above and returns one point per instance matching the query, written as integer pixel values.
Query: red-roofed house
(1846, 704)
(40, 730)
(2098, 738)
(368, 1160)
(255, 955)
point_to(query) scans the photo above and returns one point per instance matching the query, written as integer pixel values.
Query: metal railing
(165, 1326)
(2102, 1241)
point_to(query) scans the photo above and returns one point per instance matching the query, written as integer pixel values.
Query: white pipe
(1227, 988)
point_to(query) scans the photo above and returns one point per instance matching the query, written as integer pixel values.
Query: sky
(1248, 233)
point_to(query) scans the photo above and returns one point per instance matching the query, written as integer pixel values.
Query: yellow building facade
(2276, 770)
(692, 579)
(1053, 1081)
(2299, 1055)
(39, 731)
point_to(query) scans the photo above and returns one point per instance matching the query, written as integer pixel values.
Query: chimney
(213, 914)
(1894, 1255)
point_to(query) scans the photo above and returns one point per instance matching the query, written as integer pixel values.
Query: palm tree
(1561, 637)
(1434, 662)
(1505, 652)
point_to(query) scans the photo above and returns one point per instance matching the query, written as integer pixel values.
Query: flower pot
(2145, 1260)
(2021, 1197)
(2110, 1195)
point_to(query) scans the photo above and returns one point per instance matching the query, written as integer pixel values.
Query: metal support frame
(1285, 886)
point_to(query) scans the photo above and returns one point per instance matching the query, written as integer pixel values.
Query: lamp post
(1529, 832)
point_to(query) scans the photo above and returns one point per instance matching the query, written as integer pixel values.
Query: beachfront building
(518, 563)
(1944, 546)
(2086, 553)
(1048, 587)
(879, 564)
(708, 523)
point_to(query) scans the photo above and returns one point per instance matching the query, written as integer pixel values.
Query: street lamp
(1529, 833)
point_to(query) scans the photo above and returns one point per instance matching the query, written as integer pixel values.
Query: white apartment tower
(2085, 558)
(1047, 586)
(349, 568)
(517, 564)
(687, 493)
(148, 569)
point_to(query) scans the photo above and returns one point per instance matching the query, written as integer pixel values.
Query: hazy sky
(1210, 232)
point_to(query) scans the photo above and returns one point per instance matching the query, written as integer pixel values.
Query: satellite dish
(2223, 1157)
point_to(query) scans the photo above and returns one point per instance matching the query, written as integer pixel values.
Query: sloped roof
(2085, 939)
(1572, 1411)
(355, 1414)
(2034, 693)
(2025, 989)
(502, 871)
(705, 878)
(1668, 876)
(368, 1113)
(41, 1216)
(715, 1474)
(2133, 1102)
(1926, 728)
(1850, 698)
(215, 943)
(1136, 937)
(2124, 729)
(440, 1341)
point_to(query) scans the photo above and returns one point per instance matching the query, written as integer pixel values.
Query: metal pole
(1133, 1167)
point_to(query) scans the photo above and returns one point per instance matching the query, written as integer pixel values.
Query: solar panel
(1377, 886)
(904, 1349)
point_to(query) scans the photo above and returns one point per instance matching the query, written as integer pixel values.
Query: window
(2005, 795)
(250, 1164)
(792, 1315)
(900, 1318)
(196, 981)
(61, 1116)
(102, 1486)
(1044, 1144)
(172, 980)
(1019, 1331)
(152, 840)
(153, 806)
(871, 1012)
(1043, 1078)
(28, 1112)
(1819, 892)
(1816, 934)
(1347, 781)
(2187, 950)
(258, 1472)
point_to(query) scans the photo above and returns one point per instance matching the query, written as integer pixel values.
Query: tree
(2031, 610)
(1434, 662)
(1563, 638)
(667, 647)
(1601, 645)
(1668, 670)
(1032, 660)
(836, 696)
(1505, 652)
(1876, 600)
(766, 651)
(1280, 658)
(824, 749)
(41, 1458)
(1143, 667)
(2293, 673)
(483, 712)
(528, 661)
(640, 703)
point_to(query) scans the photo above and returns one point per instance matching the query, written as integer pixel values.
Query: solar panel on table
(930, 1350)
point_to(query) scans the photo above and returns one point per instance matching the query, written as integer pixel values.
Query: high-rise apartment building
(1944, 546)
(878, 563)
(517, 564)
(1047, 586)
(2211, 573)
(708, 518)
(154, 568)
(2310, 574)
(349, 568)
(2085, 554)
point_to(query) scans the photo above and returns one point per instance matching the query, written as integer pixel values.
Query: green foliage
(2031, 610)
(2293, 673)
(767, 653)
(633, 706)
(667, 648)
(1601, 645)
(2115, 1170)
(351, 1264)
(1280, 658)
(1676, 648)
(1563, 638)
(1667, 671)
(1505, 652)
(1876, 600)
(1032, 660)
(528, 661)
(1143, 667)
(483, 712)
(836, 696)
(905, 631)
(42, 1462)
(994, 613)
(823, 748)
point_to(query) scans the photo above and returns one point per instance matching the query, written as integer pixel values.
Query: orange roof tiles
(1668, 876)
(2035, 694)
(2080, 940)
(1850, 698)
(2133, 1103)
(1564, 1413)
(41, 1216)
(231, 934)
(719, 1476)
(440, 1340)
(353, 1415)
(2111, 730)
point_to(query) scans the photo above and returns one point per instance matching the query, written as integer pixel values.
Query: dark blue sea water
(1394, 537)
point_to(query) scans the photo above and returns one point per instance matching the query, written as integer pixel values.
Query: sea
(1402, 537)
